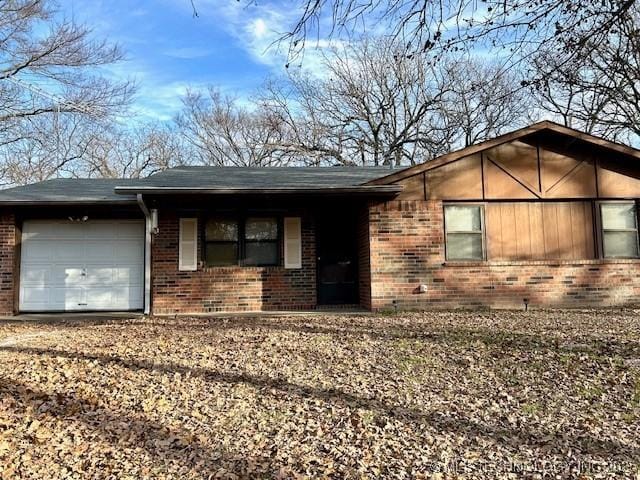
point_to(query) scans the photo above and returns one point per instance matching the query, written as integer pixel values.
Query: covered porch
(259, 253)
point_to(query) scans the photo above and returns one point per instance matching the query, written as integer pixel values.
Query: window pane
(618, 216)
(261, 229)
(464, 246)
(261, 253)
(459, 218)
(620, 244)
(222, 254)
(222, 230)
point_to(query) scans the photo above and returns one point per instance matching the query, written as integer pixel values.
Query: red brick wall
(407, 250)
(7, 262)
(364, 264)
(232, 289)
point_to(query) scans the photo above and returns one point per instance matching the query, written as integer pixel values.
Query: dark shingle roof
(200, 179)
(68, 191)
(269, 177)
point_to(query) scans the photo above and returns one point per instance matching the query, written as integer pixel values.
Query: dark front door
(337, 260)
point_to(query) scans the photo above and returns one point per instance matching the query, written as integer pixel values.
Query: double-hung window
(619, 222)
(464, 226)
(261, 246)
(252, 241)
(221, 242)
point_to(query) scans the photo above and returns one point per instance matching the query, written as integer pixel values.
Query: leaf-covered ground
(428, 395)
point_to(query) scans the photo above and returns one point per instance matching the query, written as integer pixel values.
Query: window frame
(206, 242)
(241, 242)
(481, 232)
(601, 230)
(277, 241)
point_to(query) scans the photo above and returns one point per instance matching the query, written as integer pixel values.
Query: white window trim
(481, 232)
(600, 227)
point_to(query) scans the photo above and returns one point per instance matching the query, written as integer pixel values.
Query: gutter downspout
(147, 254)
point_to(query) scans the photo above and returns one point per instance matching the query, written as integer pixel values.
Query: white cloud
(259, 28)
(162, 101)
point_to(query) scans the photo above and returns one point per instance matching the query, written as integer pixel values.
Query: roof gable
(502, 139)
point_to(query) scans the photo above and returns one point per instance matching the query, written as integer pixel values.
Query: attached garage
(82, 266)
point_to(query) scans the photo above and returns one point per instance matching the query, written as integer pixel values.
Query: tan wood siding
(617, 180)
(458, 180)
(413, 188)
(512, 169)
(539, 231)
(524, 171)
(500, 182)
(563, 176)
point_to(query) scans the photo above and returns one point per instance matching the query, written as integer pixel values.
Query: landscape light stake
(526, 304)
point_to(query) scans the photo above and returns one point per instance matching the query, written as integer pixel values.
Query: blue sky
(168, 50)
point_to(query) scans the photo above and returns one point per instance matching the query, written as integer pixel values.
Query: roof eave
(66, 203)
(378, 190)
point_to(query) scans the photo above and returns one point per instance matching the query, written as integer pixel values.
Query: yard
(428, 395)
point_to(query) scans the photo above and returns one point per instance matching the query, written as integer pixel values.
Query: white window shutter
(292, 242)
(188, 245)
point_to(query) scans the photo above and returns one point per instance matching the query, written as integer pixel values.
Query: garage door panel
(103, 298)
(101, 230)
(95, 265)
(133, 275)
(131, 230)
(54, 299)
(36, 295)
(71, 276)
(38, 250)
(123, 251)
(52, 230)
(100, 298)
(124, 229)
(69, 298)
(67, 250)
(98, 252)
(44, 230)
(119, 275)
(35, 275)
(129, 251)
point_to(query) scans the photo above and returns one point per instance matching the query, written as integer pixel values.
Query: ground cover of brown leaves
(415, 395)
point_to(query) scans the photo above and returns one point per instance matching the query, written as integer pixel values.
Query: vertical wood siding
(540, 230)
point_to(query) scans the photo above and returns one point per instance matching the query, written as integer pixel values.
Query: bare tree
(376, 105)
(41, 147)
(310, 136)
(371, 106)
(483, 100)
(51, 87)
(132, 152)
(601, 93)
(49, 66)
(519, 27)
(222, 132)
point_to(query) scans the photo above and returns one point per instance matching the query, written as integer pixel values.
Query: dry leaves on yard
(421, 395)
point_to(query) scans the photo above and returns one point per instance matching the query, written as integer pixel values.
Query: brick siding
(7, 263)
(228, 289)
(407, 250)
(364, 264)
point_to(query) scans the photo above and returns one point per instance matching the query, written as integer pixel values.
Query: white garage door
(94, 265)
